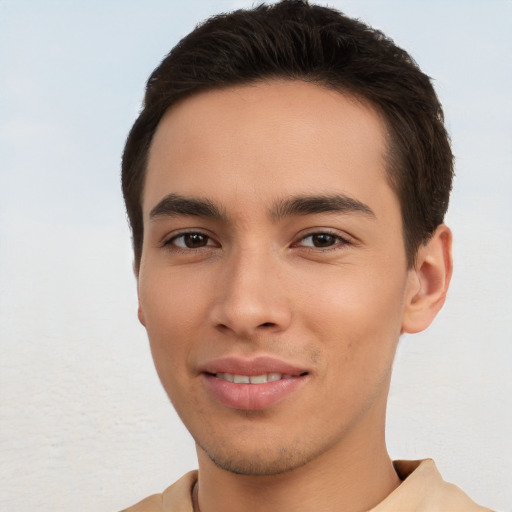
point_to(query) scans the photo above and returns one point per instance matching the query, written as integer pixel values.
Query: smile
(252, 392)
(252, 383)
(252, 379)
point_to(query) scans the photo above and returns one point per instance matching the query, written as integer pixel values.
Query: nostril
(267, 324)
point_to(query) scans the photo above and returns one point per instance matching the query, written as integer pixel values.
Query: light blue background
(85, 425)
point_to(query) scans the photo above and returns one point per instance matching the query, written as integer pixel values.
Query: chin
(266, 461)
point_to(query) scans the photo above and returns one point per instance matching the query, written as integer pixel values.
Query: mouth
(255, 379)
(255, 384)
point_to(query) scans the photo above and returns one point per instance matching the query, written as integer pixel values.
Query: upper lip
(251, 366)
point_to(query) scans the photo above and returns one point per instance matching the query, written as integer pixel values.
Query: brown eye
(322, 241)
(191, 241)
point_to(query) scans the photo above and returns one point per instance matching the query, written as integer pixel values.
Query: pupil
(323, 240)
(195, 240)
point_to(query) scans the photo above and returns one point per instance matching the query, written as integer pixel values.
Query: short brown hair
(298, 41)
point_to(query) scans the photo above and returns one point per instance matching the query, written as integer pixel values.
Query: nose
(252, 296)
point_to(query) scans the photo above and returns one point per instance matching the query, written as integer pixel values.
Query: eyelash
(171, 241)
(339, 241)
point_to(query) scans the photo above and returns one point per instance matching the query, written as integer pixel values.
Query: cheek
(358, 313)
(358, 325)
(170, 301)
(172, 311)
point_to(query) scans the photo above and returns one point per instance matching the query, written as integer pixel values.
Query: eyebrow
(310, 205)
(175, 205)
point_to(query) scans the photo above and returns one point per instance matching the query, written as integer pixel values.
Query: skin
(326, 291)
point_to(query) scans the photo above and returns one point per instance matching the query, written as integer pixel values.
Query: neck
(354, 476)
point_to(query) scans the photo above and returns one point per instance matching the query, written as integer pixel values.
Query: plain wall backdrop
(85, 425)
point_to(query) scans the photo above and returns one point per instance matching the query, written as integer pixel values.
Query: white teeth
(258, 379)
(253, 379)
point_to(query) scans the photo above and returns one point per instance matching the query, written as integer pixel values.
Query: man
(286, 184)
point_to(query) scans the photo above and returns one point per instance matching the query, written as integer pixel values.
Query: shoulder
(176, 498)
(150, 504)
(423, 488)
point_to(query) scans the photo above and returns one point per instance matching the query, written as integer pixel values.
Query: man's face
(273, 253)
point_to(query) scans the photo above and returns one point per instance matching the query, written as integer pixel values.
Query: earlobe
(428, 281)
(140, 314)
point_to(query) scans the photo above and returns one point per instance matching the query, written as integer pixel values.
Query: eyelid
(342, 238)
(168, 239)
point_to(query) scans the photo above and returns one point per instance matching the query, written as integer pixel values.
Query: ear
(140, 310)
(428, 282)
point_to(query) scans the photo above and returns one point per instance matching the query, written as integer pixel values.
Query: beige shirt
(422, 490)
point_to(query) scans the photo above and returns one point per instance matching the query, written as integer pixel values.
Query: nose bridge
(251, 293)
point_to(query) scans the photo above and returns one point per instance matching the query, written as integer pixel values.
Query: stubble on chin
(261, 461)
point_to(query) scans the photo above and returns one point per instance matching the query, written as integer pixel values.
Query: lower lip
(251, 396)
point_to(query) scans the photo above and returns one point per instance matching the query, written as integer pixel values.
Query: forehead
(257, 143)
